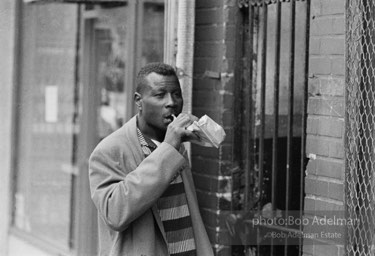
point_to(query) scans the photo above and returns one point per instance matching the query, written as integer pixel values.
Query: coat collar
(132, 136)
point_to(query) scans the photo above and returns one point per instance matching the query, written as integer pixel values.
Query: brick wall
(324, 183)
(213, 95)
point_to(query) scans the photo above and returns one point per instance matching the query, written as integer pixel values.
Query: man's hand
(176, 131)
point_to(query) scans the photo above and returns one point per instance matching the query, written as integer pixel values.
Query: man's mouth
(169, 118)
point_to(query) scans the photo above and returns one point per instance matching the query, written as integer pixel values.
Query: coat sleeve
(120, 195)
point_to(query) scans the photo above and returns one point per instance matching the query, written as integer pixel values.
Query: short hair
(155, 67)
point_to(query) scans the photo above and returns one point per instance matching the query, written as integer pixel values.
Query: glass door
(44, 161)
(117, 39)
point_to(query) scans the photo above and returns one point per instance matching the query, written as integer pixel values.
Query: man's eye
(159, 94)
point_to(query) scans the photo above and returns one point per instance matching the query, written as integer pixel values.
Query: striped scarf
(174, 211)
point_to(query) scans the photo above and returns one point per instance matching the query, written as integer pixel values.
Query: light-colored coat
(125, 187)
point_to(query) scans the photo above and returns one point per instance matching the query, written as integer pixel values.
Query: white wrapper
(210, 133)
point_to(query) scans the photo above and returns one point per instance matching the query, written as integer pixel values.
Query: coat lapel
(131, 133)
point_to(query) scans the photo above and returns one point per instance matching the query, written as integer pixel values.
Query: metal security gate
(271, 125)
(360, 120)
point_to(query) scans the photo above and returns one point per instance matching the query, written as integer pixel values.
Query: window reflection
(46, 125)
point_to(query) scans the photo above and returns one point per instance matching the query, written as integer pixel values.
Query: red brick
(314, 86)
(207, 152)
(326, 106)
(332, 86)
(212, 183)
(312, 125)
(330, 168)
(209, 33)
(231, 13)
(213, 218)
(333, 45)
(308, 249)
(229, 64)
(228, 99)
(206, 84)
(230, 49)
(228, 116)
(208, 4)
(331, 127)
(229, 84)
(332, 7)
(309, 205)
(202, 64)
(207, 200)
(205, 166)
(316, 187)
(229, 134)
(336, 149)
(230, 32)
(212, 200)
(322, 26)
(316, 8)
(324, 146)
(336, 191)
(311, 167)
(209, 16)
(317, 145)
(208, 49)
(324, 250)
(319, 65)
(207, 99)
(339, 25)
(221, 237)
(321, 205)
(338, 65)
(314, 45)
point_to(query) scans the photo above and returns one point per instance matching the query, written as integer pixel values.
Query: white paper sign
(51, 103)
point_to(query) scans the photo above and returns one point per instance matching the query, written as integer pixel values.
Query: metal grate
(360, 119)
(246, 3)
(271, 124)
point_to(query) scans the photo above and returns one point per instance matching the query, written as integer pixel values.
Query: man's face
(161, 99)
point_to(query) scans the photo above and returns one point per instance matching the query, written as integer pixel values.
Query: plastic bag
(210, 133)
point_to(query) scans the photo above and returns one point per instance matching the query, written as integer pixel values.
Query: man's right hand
(177, 133)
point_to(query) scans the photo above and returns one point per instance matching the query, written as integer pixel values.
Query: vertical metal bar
(75, 120)
(276, 109)
(304, 116)
(249, 111)
(262, 101)
(290, 100)
(290, 108)
(262, 105)
(249, 123)
(276, 103)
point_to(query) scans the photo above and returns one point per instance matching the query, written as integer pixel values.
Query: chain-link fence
(360, 127)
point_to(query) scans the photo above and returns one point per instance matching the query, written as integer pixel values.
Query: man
(140, 178)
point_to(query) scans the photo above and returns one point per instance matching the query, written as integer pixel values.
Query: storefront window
(62, 86)
(46, 123)
(153, 33)
(110, 40)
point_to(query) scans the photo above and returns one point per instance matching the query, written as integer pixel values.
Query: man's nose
(171, 100)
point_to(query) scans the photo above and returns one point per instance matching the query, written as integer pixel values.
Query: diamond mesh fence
(360, 124)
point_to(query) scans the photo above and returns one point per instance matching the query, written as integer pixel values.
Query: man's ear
(137, 100)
